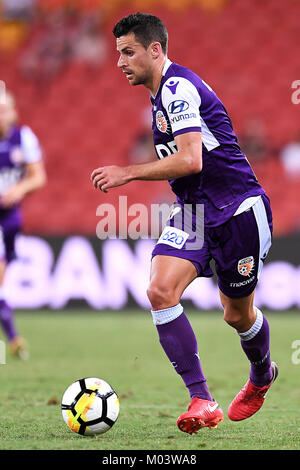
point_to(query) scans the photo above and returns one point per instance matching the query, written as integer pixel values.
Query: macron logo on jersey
(172, 87)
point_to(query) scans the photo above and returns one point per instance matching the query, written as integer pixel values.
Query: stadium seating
(86, 117)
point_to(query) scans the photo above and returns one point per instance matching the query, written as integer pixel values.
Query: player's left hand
(107, 177)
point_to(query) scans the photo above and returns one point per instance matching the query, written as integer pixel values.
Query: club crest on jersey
(161, 122)
(246, 266)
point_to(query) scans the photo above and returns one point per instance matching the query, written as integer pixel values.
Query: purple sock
(256, 345)
(180, 345)
(7, 320)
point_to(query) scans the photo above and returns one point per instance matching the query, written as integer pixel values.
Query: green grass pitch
(123, 349)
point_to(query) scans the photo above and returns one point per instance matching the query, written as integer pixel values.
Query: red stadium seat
(86, 118)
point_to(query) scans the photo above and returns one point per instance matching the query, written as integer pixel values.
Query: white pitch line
(172, 407)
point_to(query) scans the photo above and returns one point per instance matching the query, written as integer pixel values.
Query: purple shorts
(10, 227)
(238, 247)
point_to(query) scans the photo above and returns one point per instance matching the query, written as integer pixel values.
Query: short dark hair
(146, 28)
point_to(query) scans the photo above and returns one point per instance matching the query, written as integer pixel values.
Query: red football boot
(250, 399)
(200, 414)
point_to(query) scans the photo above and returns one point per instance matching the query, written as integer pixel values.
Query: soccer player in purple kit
(198, 153)
(21, 172)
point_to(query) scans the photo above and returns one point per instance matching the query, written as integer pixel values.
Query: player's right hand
(107, 177)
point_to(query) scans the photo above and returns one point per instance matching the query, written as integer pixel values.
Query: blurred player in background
(21, 172)
(200, 157)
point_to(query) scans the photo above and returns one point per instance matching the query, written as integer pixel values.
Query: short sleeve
(30, 145)
(182, 101)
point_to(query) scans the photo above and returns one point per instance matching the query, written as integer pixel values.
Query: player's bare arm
(34, 179)
(187, 161)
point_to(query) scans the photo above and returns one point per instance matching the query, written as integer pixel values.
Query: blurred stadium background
(58, 57)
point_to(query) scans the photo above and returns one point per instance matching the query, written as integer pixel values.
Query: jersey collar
(166, 66)
(168, 63)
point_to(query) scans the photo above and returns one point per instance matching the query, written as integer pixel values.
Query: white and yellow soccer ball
(90, 406)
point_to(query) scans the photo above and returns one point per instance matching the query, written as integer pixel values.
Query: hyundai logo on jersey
(178, 106)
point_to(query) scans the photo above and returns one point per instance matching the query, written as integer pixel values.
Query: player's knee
(161, 296)
(233, 317)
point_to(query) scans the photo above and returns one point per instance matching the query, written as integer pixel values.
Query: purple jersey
(185, 103)
(19, 147)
